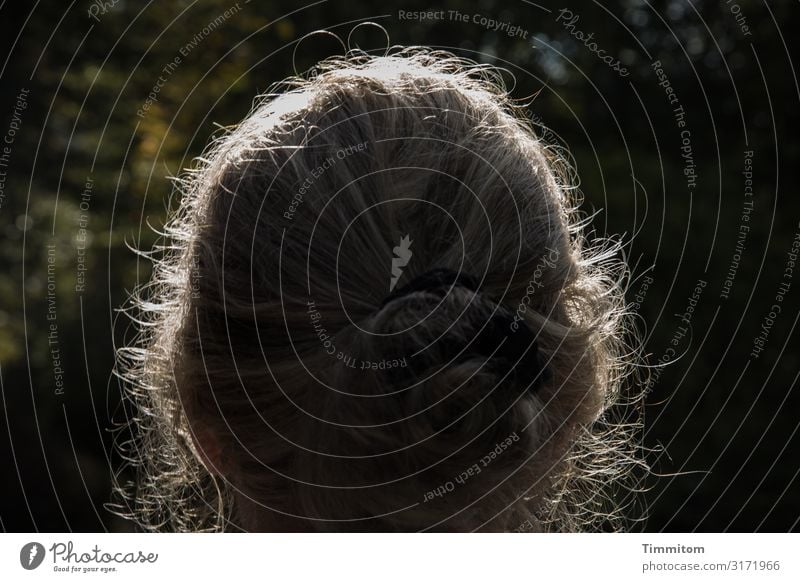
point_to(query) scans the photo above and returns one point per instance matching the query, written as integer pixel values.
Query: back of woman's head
(376, 310)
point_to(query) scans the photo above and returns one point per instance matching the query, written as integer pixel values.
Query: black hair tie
(520, 348)
(433, 280)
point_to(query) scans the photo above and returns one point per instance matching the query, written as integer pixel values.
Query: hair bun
(500, 338)
(469, 376)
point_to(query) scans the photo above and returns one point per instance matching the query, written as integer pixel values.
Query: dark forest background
(723, 423)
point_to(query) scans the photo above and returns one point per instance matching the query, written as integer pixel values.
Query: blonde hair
(266, 301)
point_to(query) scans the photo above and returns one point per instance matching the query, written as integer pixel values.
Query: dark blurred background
(85, 163)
